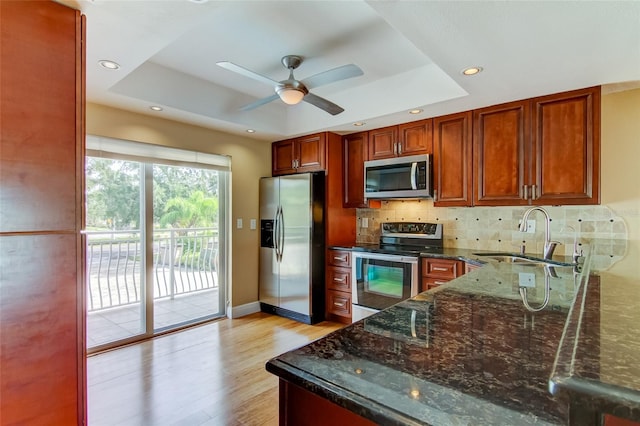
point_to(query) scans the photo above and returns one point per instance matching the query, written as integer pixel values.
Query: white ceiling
(411, 52)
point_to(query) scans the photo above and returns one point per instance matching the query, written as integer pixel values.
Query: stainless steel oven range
(388, 273)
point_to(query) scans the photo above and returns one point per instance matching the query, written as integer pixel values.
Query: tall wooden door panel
(354, 155)
(567, 148)
(501, 152)
(42, 345)
(453, 162)
(37, 193)
(40, 353)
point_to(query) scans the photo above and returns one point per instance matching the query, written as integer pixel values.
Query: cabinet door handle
(399, 148)
(533, 192)
(438, 268)
(525, 189)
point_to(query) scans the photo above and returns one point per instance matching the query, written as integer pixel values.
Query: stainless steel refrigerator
(292, 246)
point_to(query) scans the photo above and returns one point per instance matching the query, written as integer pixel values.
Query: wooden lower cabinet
(301, 407)
(338, 286)
(436, 272)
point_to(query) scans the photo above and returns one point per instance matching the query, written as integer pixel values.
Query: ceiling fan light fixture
(290, 95)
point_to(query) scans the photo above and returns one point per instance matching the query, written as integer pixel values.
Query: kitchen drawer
(468, 267)
(442, 268)
(339, 279)
(339, 258)
(339, 303)
(429, 282)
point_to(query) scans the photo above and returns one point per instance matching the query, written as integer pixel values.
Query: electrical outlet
(239, 223)
(526, 279)
(252, 224)
(531, 226)
(364, 222)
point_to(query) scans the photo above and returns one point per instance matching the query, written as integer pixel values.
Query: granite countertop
(468, 352)
(598, 363)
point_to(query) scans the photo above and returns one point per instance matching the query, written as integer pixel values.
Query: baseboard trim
(242, 310)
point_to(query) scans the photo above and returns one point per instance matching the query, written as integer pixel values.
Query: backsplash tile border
(496, 228)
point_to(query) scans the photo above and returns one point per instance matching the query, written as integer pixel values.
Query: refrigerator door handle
(276, 234)
(281, 232)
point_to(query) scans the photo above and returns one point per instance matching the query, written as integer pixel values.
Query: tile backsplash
(496, 228)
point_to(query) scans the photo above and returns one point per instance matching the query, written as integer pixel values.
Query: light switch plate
(252, 224)
(239, 223)
(526, 279)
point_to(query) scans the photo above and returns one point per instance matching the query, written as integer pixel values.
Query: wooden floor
(208, 375)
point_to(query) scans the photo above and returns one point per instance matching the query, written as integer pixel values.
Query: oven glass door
(382, 282)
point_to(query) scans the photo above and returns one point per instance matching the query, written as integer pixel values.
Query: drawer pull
(342, 259)
(438, 268)
(439, 282)
(339, 305)
(339, 280)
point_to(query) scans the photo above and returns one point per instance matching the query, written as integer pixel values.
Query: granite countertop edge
(466, 255)
(363, 407)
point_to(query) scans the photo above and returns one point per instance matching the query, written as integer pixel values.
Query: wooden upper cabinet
(540, 151)
(452, 150)
(310, 153)
(406, 139)
(501, 153)
(299, 155)
(416, 137)
(282, 157)
(566, 148)
(354, 154)
(382, 143)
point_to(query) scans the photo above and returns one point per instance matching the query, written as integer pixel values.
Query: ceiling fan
(293, 91)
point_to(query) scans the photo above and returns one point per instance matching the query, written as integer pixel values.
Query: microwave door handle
(414, 173)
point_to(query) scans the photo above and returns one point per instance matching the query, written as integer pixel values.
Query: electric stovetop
(406, 239)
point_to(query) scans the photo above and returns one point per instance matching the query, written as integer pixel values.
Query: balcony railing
(184, 261)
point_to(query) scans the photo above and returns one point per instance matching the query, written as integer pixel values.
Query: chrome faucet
(549, 246)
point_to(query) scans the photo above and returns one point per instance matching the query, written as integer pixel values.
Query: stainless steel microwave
(399, 177)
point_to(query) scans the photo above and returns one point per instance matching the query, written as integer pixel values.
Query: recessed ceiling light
(250, 131)
(359, 123)
(415, 111)
(109, 64)
(156, 108)
(471, 70)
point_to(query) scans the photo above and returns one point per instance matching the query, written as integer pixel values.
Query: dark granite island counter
(469, 352)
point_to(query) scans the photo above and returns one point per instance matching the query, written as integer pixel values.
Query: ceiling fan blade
(259, 102)
(247, 73)
(330, 76)
(322, 103)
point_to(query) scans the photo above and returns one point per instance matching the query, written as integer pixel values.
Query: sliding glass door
(154, 238)
(186, 246)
